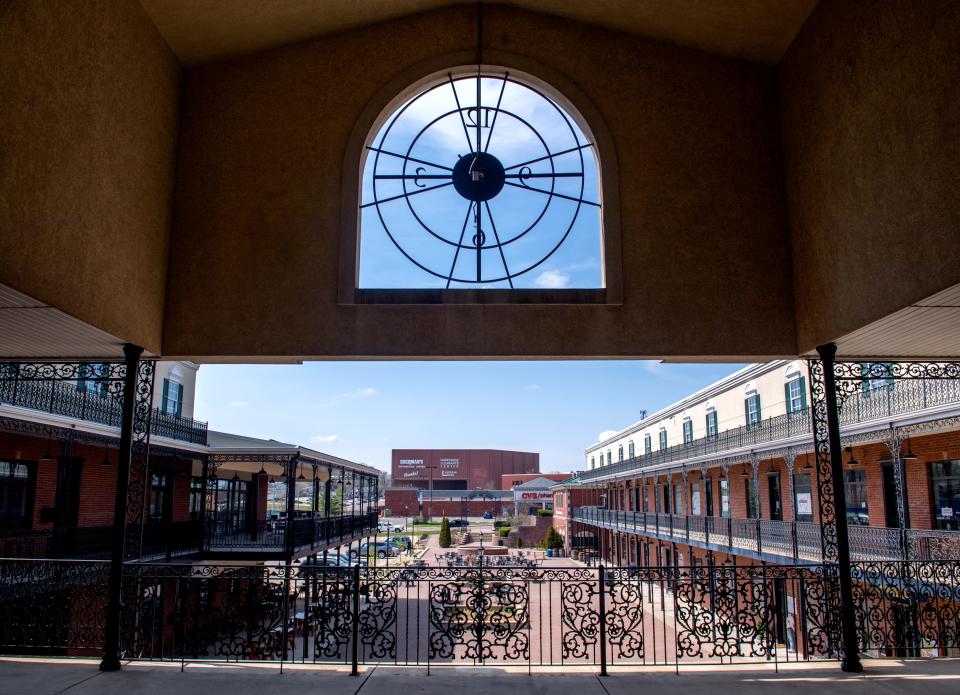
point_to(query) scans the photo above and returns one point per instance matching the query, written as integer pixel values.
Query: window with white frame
(172, 399)
(795, 394)
(620, 453)
(663, 439)
(687, 430)
(751, 406)
(609, 457)
(712, 423)
(647, 444)
(630, 450)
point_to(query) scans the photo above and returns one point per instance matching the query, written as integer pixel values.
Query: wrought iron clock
(479, 180)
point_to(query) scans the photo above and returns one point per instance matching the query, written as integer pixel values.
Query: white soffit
(32, 330)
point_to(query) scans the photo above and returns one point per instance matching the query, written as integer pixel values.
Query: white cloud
(606, 434)
(532, 387)
(552, 280)
(367, 392)
(325, 439)
(239, 404)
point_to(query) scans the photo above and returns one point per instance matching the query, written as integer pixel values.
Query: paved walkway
(81, 677)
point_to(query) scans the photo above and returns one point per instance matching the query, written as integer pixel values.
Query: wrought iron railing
(307, 533)
(793, 541)
(53, 607)
(160, 539)
(889, 400)
(436, 616)
(64, 398)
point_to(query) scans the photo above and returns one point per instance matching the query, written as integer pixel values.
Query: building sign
(411, 474)
(449, 474)
(522, 496)
(804, 503)
(410, 463)
(449, 463)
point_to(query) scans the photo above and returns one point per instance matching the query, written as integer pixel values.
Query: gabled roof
(540, 483)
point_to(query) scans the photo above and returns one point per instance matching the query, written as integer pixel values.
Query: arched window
(480, 180)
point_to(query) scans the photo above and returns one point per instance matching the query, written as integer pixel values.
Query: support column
(833, 501)
(291, 497)
(111, 641)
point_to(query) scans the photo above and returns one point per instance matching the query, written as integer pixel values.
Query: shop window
(724, 498)
(15, 494)
(157, 497)
(855, 487)
(802, 497)
(945, 482)
(753, 499)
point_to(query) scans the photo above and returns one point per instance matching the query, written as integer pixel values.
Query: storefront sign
(804, 503)
(449, 463)
(533, 496)
(410, 463)
(449, 474)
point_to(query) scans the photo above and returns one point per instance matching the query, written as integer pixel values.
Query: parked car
(401, 542)
(381, 549)
(458, 523)
(390, 527)
(488, 515)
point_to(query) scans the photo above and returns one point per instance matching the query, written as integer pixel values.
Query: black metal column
(848, 622)
(291, 497)
(111, 639)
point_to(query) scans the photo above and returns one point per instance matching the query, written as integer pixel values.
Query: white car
(390, 527)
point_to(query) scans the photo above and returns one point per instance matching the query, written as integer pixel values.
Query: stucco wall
(254, 255)
(871, 124)
(87, 147)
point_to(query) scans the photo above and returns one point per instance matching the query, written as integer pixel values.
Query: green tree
(553, 540)
(445, 539)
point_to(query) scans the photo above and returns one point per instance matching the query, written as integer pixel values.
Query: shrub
(503, 531)
(544, 512)
(553, 540)
(445, 538)
(518, 543)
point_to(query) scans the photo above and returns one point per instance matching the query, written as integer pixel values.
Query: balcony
(890, 400)
(794, 542)
(304, 536)
(64, 398)
(160, 540)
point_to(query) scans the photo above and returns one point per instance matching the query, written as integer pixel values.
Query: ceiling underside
(32, 330)
(929, 328)
(199, 32)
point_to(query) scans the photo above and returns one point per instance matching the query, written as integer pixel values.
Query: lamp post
(431, 469)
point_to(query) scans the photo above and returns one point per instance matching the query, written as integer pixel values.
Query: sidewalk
(81, 677)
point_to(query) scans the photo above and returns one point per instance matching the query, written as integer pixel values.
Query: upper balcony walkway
(793, 542)
(870, 410)
(66, 399)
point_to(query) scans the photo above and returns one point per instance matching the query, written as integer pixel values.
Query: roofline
(751, 371)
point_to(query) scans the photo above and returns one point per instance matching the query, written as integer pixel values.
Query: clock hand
(549, 156)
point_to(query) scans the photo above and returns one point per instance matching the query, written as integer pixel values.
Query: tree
(553, 540)
(445, 539)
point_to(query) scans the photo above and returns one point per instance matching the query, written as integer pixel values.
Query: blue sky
(528, 127)
(362, 410)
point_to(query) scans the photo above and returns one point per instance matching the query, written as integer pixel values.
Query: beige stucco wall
(254, 258)
(871, 129)
(88, 114)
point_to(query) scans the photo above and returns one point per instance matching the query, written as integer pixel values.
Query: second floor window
(647, 444)
(592, 462)
(663, 440)
(796, 395)
(620, 453)
(196, 497)
(712, 423)
(630, 451)
(172, 398)
(751, 406)
(687, 431)
(609, 457)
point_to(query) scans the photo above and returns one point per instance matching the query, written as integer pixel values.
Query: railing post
(729, 533)
(793, 538)
(355, 646)
(111, 636)
(759, 542)
(603, 621)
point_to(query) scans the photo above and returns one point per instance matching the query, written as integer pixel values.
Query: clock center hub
(478, 176)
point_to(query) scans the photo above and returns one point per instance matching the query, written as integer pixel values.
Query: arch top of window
(489, 187)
